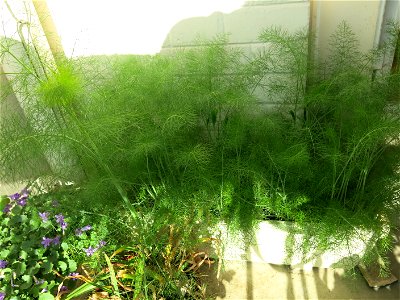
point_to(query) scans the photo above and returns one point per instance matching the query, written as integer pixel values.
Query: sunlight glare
(125, 27)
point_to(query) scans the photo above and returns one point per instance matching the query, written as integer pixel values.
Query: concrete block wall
(368, 20)
(243, 26)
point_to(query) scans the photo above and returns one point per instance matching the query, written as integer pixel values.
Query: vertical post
(49, 29)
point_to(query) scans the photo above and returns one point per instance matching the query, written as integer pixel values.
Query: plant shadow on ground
(280, 282)
(256, 280)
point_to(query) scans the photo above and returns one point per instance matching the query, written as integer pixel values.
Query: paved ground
(244, 280)
(8, 189)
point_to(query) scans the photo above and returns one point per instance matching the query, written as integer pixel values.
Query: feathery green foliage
(182, 137)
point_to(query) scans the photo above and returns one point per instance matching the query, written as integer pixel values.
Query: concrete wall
(364, 17)
(368, 20)
(243, 26)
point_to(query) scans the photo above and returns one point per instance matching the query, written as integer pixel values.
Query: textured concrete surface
(242, 280)
(243, 26)
(8, 189)
(245, 280)
(270, 245)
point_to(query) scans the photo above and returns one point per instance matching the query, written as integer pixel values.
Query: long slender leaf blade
(84, 288)
(113, 278)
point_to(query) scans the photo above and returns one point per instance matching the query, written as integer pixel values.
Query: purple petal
(86, 228)
(102, 244)
(63, 289)
(3, 264)
(90, 251)
(46, 241)
(25, 192)
(15, 196)
(7, 208)
(73, 274)
(59, 218)
(22, 201)
(2, 296)
(79, 231)
(64, 225)
(44, 216)
(56, 240)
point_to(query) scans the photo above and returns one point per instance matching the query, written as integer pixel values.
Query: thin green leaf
(113, 278)
(83, 289)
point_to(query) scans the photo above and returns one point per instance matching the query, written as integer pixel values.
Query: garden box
(271, 244)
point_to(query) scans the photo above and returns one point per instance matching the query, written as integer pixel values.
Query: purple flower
(63, 289)
(79, 231)
(22, 201)
(90, 251)
(3, 264)
(2, 296)
(46, 241)
(86, 228)
(64, 225)
(59, 218)
(7, 208)
(15, 196)
(73, 274)
(56, 240)
(25, 192)
(44, 216)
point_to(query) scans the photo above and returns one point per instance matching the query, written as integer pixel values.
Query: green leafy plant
(184, 137)
(167, 268)
(33, 255)
(338, 167)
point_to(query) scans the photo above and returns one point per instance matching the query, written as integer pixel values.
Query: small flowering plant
(34, 256)
(86, 244)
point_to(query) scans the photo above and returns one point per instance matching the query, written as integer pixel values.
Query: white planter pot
(275, 243)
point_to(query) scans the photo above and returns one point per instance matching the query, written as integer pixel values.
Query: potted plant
(182, 139)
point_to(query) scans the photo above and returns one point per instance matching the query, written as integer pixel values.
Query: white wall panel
(243, 26)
